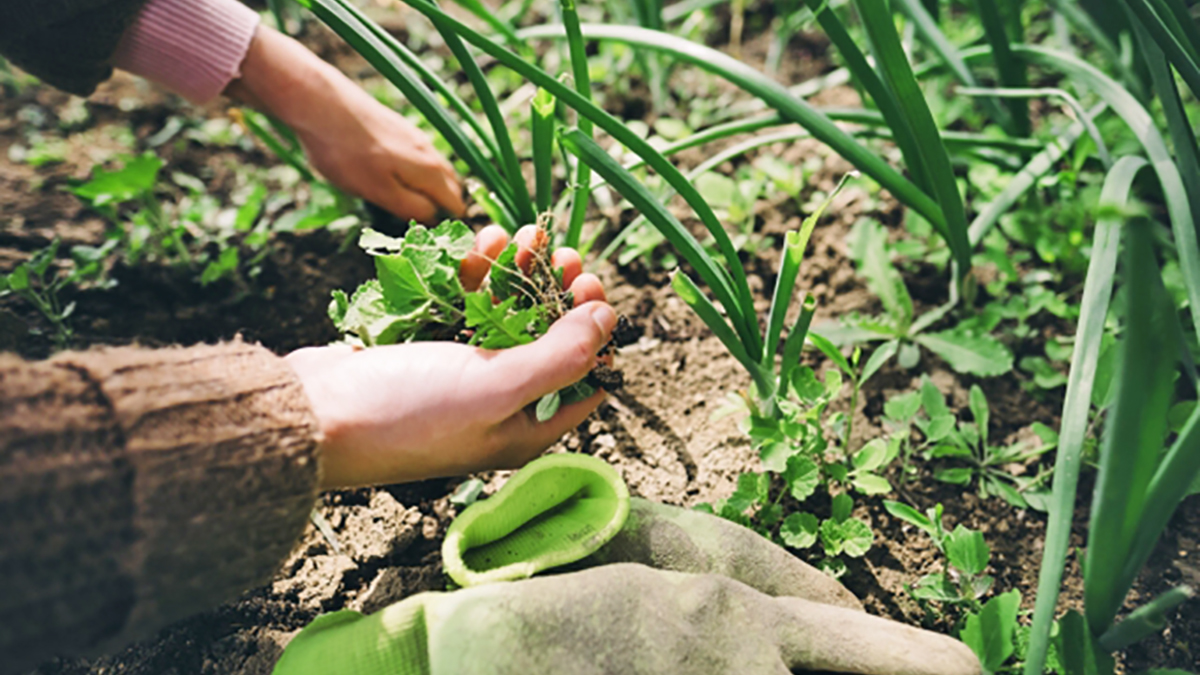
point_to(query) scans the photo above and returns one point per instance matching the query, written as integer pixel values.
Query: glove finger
(815, 637)
(683, 540)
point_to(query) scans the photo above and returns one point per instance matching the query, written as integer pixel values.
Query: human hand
(422, 410)
(357, 143)
(622, 618)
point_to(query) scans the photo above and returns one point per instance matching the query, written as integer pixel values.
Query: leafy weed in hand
(417, 296)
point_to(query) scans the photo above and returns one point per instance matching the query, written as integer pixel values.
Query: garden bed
(659, 431)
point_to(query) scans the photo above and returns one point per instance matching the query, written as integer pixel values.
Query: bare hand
(357, 143)
(422, 410)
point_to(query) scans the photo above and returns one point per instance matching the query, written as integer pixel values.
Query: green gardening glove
(620, 619)
(723, 599)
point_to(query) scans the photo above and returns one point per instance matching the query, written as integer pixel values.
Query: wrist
(281, 77)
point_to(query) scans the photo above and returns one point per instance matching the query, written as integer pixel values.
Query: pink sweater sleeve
(194, 48)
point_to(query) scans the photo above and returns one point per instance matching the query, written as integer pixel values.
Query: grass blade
(775, 95)
(785, 283)
(1073, 103)
(1010, 68)
(892, 60)
(933, 36)
(795, 340)
(1134, 431)
(499, 25)
(856, 61)
(1097, 294)
(703, 307)
(1142, 124)
(542, 122)
(1145, 620)
(587, 151)
(520, 203)
(1174, 45)
(583, 85)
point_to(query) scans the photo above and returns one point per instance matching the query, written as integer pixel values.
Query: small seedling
(964, 347)
(962, 582)
(418, 297)
(38, 284)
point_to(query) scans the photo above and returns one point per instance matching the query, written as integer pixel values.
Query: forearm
(138, 487)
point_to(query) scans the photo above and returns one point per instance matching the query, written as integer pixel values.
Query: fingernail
(605, 317)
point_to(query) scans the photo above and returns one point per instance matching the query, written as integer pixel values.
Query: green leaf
(467, 493)
(831, 352)
(136, 178)
(936, 587)
(957, 476)
(909, 515)
(841, 507)
(548, 405)
(851, 536)
(1079, 652)
(980, 355)
(940, 427)
(802, 476)
(752, 488)
(871, 456)
(799, 530)
(806, 385)
(501, 326)
(979, 409)
(990, 633)
(871, 484)
(882, 278)
(902, 407)
(932, 400)
(967, 550)
(774, 455)
(879, 357)
(225, 264)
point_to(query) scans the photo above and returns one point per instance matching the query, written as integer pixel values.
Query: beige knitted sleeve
(140, 486)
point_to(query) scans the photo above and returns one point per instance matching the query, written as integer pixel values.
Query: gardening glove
(616, 618)
(622, 618)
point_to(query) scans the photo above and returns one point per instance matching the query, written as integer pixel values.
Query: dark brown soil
(658, 429)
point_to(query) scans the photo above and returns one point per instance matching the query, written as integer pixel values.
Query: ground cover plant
(984, 341)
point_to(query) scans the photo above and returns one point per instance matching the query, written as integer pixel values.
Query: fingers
(561, 357)
(568, 260)
(489, 244)
(587, 288)
(407, 204)
(819, 637)
(529, 239)
(436, 182)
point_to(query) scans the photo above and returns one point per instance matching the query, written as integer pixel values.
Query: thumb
(561, 357)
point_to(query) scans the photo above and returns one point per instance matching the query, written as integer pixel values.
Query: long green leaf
(499, 25)
(1180, 53)
(1145, 620)
(587, 151)
(789, 268)
(1011, 70)
(866, 77)
(1179, 207)
(542, 129)
(893, 62)
(794, 345)
(695, 298)
(1178, 124)
(774, 94)
(928, 29)
(583, 85)
(1134, 431)
(1097, 294)
(1073, 103)
(519, 191)
(428, 76)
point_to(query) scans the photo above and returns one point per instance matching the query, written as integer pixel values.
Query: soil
(658, 430)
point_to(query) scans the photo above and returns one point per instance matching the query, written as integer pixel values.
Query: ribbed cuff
(195, 48)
